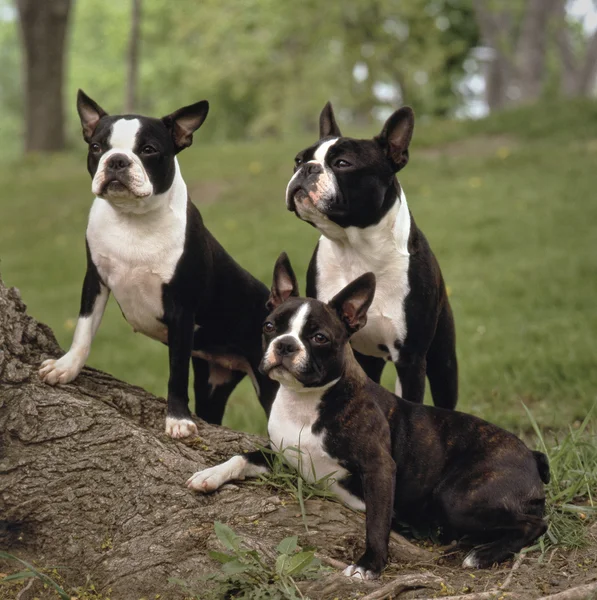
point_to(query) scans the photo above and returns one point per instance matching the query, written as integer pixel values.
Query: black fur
(208, 288)
(366, 190)
(418, 464)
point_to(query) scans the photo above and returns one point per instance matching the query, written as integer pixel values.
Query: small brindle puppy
(395, 459)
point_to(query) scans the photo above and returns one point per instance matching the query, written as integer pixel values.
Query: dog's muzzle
(296, 193)
(282, 354)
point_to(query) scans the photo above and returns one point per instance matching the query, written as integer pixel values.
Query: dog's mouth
(268, 368)
(301, 196)
(303, 202)
(115, 185)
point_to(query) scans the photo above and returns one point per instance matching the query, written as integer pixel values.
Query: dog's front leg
(379, 482)
(240, 466)
(94, 297)
(180, 321)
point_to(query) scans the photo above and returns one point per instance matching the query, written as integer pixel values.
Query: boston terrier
(147, 244)
(398, 460)
(347, 189)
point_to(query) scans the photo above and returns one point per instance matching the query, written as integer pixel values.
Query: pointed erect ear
(90, 113)
(396, 135)
(352, 303)
(284, 284)
(327, 123)
(184, 122)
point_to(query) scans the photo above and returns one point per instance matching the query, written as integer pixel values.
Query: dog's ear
(90, 113)
(284, 284)
(184, 122)
(396, 135)
(352, 303)
(327, 123)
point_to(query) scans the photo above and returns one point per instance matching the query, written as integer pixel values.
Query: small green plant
(571, 500)
(284, 477)
(29, 572)
(246, 575)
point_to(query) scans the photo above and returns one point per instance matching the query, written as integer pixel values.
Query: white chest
(135, 256)
(290, 431)
(383, 250)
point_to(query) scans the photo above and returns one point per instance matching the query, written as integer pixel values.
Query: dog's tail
(542, 466)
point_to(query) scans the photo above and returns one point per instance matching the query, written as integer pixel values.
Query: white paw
(358, 573)
(470, 561)
(208, 480)
(180, 428)
(63, 370)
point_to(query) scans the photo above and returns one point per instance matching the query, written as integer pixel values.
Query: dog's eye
(268, 327)
(95, 147)
(298, 161)
(147, 149)
(320, 339)
(342, 163)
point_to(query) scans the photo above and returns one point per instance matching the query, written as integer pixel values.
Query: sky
(585, 12)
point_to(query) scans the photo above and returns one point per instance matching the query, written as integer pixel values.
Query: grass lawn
(508, 205)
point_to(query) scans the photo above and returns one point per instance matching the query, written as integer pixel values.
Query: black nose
(118, 162)
(286, 346)
(313, 168)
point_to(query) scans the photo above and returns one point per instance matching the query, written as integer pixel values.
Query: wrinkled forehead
(302, 316)
(128, 132)
(348, 148)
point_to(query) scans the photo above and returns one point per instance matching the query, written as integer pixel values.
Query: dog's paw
(471, 561)
(209, 480)
(359, 573)
(180, 428)
(63, 370)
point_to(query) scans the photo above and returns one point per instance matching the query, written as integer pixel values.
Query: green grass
(508, 205)
(571, 493)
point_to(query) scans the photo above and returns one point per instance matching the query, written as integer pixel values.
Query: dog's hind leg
(513, 537)
(442, 366)
(266, 390)
(213, 385)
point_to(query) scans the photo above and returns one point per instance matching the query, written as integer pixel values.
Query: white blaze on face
(301, 359)
(122, 141)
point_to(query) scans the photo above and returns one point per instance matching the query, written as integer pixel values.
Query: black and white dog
(147, 244)
(347, 189)
(393, 458)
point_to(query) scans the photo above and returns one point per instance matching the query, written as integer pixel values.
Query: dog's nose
(286, 346)
(313, 168)
(118, 162)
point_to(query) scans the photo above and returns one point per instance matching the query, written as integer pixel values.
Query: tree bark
(531, 49)
(496, 30)
(43, 33)
(90, 482)
(132, 75)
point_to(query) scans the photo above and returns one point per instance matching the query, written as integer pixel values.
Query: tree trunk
(578, 77)
(90, 482)
(496, 31)
(43, 33)
(132, 74)
(531, 49)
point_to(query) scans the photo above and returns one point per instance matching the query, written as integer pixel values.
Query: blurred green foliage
(265, 66)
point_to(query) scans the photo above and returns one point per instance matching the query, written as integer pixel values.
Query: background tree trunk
(43, 32)
(531, 49)
(496, 31)
(90, 482)
(132, 75)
